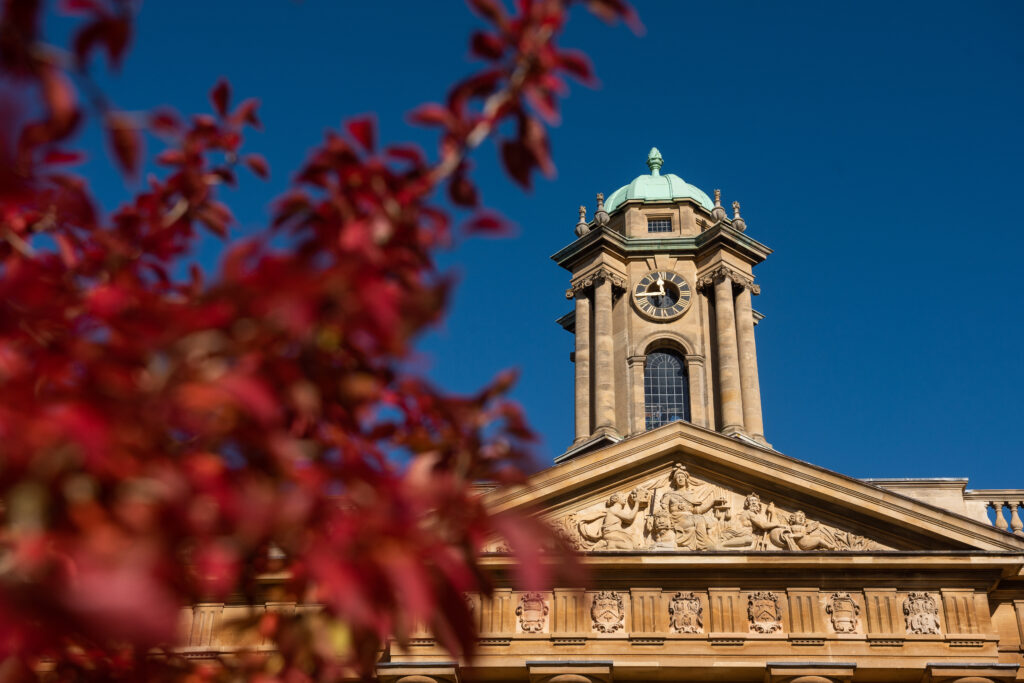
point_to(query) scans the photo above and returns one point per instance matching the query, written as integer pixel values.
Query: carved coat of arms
(532, 612)
(843, 610)
(607, 612)
(685, 613)
(921, 612)
(763, 612)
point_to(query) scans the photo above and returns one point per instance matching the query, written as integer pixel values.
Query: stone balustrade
(1006, 504)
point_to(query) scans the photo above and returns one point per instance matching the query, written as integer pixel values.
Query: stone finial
(601, 216)
(654, 161)
(718, 213)
(582, 228)
(737, 220)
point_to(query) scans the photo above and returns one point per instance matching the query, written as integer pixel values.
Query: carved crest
(607, 612)
(532, 612)
(685, 613)
(843, 610)
(921, 612)
(763, 612)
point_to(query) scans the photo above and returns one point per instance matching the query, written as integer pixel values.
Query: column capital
(638, 359)
(695, 359)
(594, 277)
(740, 280)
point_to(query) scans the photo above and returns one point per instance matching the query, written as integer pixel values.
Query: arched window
(666, 389)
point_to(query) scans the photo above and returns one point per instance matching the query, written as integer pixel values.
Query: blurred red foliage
(164, 438)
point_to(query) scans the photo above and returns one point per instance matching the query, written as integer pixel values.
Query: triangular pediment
(682, 488)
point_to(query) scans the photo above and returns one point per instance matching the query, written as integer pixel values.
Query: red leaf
(362, 131)
(489, 9)
(462, 191)
(489, 223)
(518, 162)
(245, 112)
(431, 115)
(258, 165)
(486, 45)
(59, 95)
(220, 95)
(578, 65)
(165, 121)
(59, 156)
(77, 6)
(126, 142)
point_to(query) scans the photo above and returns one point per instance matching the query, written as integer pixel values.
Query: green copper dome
(657, 187)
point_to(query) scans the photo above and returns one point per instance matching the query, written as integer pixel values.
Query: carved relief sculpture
(921, 612)
(618, 514)
(763, 612)
(607, 612)
(685, 613)
(844, 611)
(686, 513)
(532, 612)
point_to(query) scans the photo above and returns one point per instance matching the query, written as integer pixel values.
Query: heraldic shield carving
(763, 612)
(921, 612)
(532, 612)
(685, 613)
(607, 612)
(843, 610)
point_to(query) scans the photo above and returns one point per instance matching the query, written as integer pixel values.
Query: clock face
(662, 295)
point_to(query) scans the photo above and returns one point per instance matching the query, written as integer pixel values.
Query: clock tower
(662, 281)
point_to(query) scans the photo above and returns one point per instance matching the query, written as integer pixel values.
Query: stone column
(636, 381)
(604, 376)
(583, 429)
(751, 389)
(728, 360)
(698, 396)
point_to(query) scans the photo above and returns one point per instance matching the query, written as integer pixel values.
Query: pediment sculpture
(681, 512)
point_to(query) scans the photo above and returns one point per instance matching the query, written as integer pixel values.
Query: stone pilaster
(582, 366)
(698, 389)
(751, 389)
(637, 401)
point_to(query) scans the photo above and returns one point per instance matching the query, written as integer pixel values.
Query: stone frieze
(679, 511)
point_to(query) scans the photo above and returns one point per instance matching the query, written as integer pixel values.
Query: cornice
(720, 235)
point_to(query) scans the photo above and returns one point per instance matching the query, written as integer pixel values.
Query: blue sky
(874, 146)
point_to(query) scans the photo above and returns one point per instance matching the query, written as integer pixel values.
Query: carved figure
(726, 531)
(759, 521)
(800, 535)
(685, 503)
(568, 531)
(685, 613)
(618, 514)
(607, 612)
(532, 612)
(921, 612)
(659, 528)
(763, 612)
(844, 610)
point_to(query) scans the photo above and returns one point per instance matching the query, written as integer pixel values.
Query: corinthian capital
(723, 272)
(604, 273)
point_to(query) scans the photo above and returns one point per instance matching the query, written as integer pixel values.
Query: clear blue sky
(875, 146)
